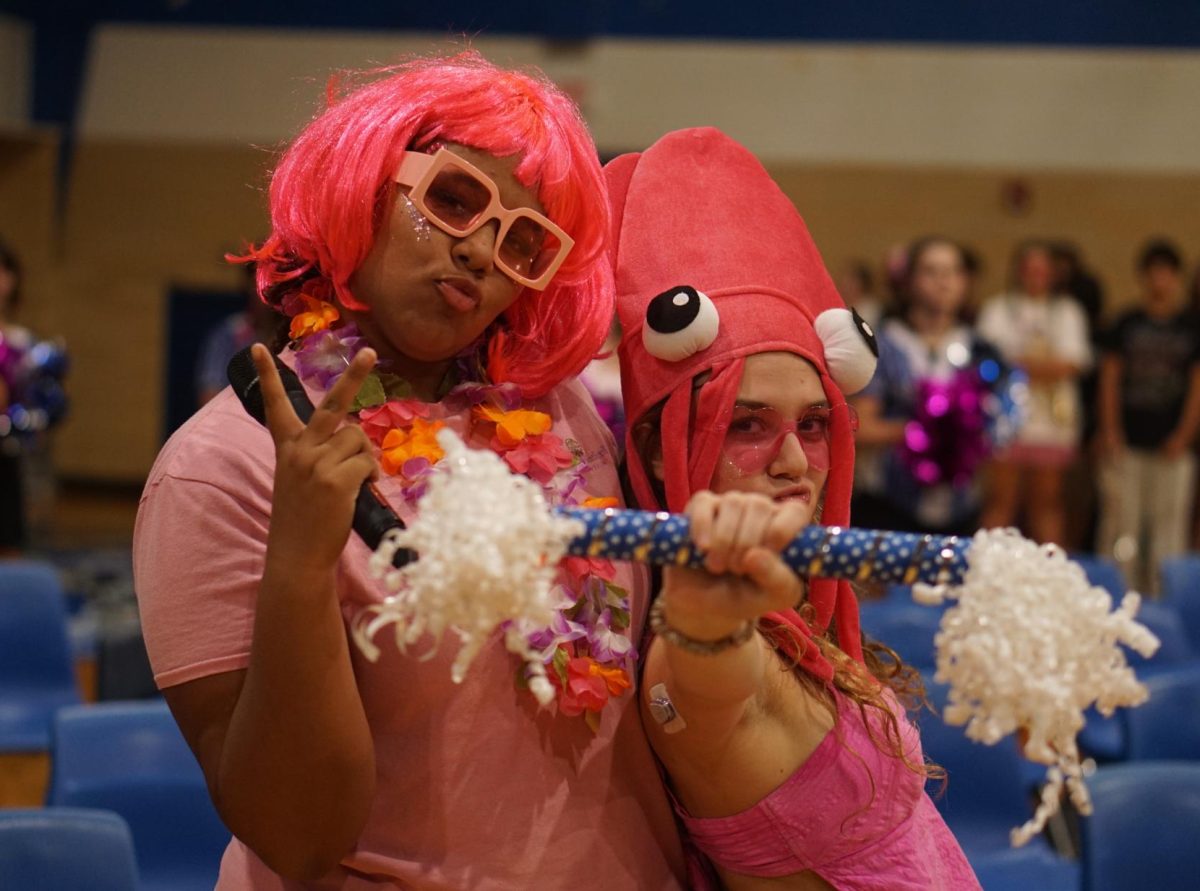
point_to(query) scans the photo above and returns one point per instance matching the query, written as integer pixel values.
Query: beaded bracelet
(676, 638)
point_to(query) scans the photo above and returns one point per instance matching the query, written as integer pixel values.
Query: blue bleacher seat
(65, 849)
(1103, 572)
(1105, 738)
(985, 794)
(908, 628)
(1142, 831)
(1167, 725)
(1031, 868)
(1180, 582)
(988, 793)
(132, 759)
(1174, 646)
(36, 671)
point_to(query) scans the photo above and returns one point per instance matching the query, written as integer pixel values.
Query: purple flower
(561, 630)
(574, 481)
(415, 472)
(472, 393)
(325, 355)
(606, 645)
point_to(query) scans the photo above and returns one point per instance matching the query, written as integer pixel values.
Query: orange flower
(318, 316)
(600, 501)
(380, 420)
(417, 441)
(617, 679)
(513, 426)
(587, 686)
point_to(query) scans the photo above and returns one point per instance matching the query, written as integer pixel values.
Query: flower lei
(586, 649)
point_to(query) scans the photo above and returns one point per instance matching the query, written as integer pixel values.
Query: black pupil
(865, 330)
(673, 310)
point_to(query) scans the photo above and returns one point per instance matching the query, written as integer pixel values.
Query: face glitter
(419, 223)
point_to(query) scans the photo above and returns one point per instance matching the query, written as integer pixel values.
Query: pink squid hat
(712, 264)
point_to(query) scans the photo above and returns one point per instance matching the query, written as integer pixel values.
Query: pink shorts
(1032, 455)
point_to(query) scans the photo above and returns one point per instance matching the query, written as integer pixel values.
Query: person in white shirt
(1045, 334)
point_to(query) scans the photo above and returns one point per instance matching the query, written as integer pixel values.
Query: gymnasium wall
(876, 143)
(16, 43)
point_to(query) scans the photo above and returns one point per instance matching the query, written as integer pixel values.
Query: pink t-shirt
(475, 787)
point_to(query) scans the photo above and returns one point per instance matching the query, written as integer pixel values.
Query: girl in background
(1046, 335)
(918, 471)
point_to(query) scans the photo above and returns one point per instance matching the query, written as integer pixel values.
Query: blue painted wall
(1154, 23)
(62, 26)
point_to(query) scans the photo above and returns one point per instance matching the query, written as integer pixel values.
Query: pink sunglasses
(459, 198)
(755, 436)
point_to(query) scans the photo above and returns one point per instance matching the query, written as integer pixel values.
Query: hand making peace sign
(319, 466)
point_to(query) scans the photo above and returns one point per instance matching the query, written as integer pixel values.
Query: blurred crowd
(1038, 407)
(1034, 407)
(32, 401)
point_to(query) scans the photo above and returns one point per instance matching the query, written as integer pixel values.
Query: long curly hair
(865, 684)
(333, 185)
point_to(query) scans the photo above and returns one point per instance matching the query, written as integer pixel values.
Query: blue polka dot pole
(1028, 642)
(664, 539)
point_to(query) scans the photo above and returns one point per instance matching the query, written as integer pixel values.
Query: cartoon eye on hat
(850, 348)
(680, 322)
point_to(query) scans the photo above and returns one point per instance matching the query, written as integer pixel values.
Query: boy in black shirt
(1149, 410)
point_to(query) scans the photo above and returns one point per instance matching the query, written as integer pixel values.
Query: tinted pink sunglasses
(459, 198)
(755, 436)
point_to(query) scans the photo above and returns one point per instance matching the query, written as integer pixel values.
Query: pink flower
(584, 690)
(378, 420)
(415, 473)
(538, 457)
(577, 569)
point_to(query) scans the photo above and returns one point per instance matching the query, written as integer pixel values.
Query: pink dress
(855, 816)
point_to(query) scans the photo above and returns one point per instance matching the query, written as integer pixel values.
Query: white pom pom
(1031, 645)
(489, 549)
(850, 351)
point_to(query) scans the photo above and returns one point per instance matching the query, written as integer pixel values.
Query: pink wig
(332, 187)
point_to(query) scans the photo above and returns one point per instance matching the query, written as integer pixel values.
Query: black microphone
(372, 516)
